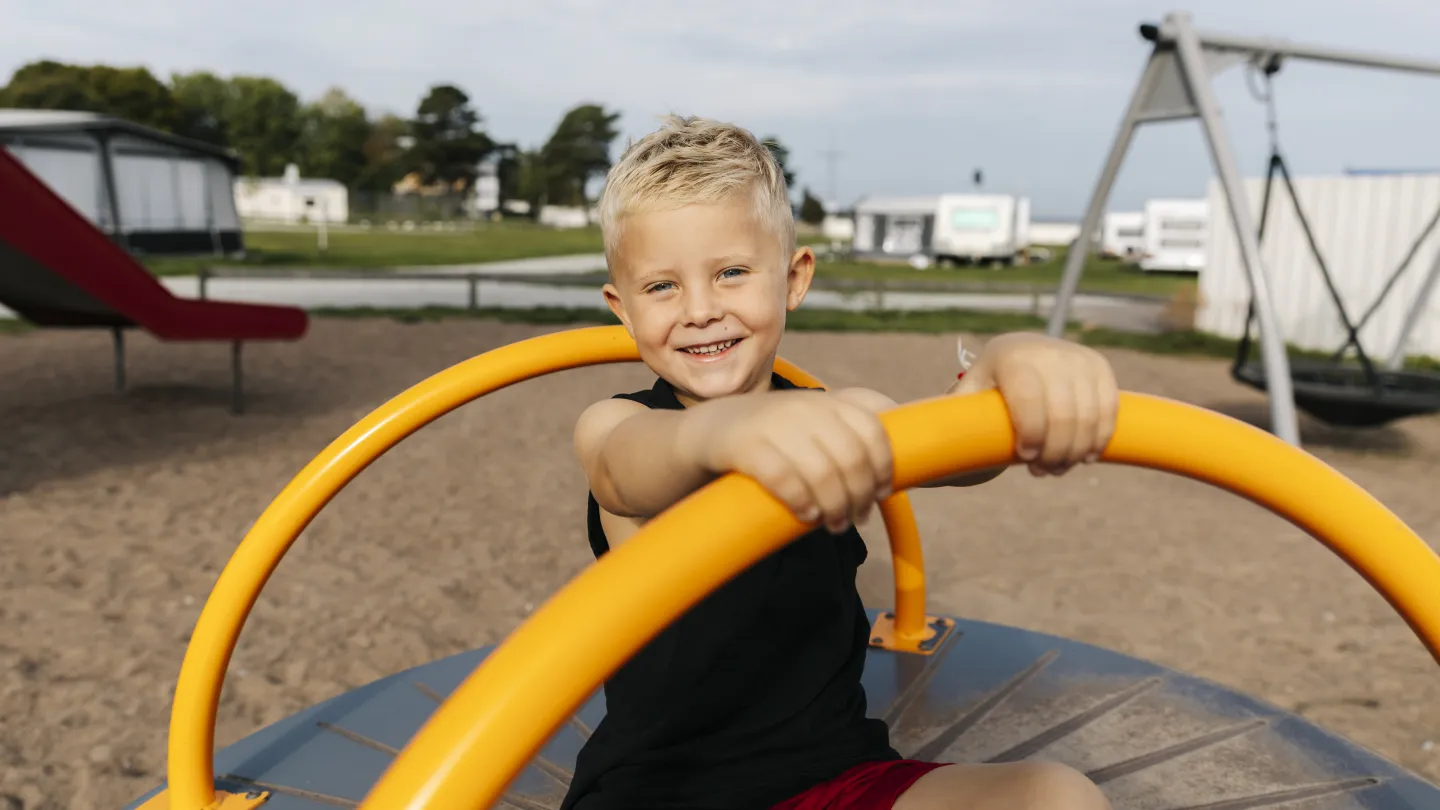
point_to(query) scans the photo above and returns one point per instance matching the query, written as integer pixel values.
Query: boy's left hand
(1062, 397)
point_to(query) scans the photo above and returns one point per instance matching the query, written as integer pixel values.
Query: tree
(333, 137)
(532, 178)
(578, 151)
(136, 95)
(449, 143)
(782, 156)
(48, 85)
(812, 210)
(206, 101)
(264, 124)
(387, 159)
(133, 94)
(508, 157)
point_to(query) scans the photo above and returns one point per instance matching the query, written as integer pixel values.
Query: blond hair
(692, 160)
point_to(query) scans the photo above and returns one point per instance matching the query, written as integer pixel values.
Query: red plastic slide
(57, 269)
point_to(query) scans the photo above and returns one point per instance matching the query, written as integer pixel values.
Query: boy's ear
(612, 299)
(798, 278)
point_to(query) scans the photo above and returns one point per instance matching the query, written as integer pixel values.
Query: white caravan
(1123, 235)
(1176, 234)
(943, 228)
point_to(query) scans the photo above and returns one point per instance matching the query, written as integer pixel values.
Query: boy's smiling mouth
(712, 349)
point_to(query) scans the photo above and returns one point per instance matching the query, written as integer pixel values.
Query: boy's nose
(702, 307)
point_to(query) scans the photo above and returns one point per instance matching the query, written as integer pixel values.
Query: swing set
(1332, 391)
(1176, 85)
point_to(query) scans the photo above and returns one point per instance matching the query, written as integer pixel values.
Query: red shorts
(867, 786)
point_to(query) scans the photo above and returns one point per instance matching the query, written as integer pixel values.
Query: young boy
(753, 699)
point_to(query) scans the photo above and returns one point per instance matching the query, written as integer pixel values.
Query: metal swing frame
(1176, 85)
(1328, 390)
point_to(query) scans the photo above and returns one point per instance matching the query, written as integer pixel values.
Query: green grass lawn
(1204, 345)
(1100, 275)
(379, 249)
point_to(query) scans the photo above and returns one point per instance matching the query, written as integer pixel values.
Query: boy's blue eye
(656, 286)
(737, 270)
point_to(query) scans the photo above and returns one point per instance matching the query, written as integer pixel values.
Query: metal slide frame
(1175, 85)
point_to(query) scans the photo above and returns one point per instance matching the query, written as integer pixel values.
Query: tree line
(335, 137)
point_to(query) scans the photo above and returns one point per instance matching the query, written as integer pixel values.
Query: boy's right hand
(827, 458)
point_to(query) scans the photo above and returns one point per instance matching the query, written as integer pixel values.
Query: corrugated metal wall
(1364, 226)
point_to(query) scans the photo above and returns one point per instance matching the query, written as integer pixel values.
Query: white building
(153, 192)
(568, 216)
(292, 199)
(838, 228)
(485, 197)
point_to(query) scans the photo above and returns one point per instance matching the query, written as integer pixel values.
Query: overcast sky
(915, 94)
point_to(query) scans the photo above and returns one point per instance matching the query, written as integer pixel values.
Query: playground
(1181, 639)
(120, 510)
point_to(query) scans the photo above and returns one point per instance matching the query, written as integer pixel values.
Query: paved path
(397, 292)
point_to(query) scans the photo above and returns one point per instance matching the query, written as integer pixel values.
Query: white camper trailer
(1123, 236)
(943, 228)
(1176, 235)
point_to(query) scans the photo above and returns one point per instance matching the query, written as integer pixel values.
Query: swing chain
(1268, 65)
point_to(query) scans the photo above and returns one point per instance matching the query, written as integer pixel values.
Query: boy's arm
(824, 457)
(878, 403)
(635, 458)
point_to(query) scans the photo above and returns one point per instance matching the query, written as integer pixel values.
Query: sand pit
(117, 512)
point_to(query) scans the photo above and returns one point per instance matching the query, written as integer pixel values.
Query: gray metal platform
(1153, 738)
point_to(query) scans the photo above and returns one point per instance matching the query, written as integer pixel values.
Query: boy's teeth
(712, 348)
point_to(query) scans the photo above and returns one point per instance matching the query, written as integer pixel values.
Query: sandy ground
(117, 512)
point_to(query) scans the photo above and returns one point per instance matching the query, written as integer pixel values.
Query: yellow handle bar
(197, 692)
(494, 723)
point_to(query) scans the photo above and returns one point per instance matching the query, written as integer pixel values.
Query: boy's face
(704, 290)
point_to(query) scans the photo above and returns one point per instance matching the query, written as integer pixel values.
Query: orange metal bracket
(908, 629)
(884, 633)
(224, 800)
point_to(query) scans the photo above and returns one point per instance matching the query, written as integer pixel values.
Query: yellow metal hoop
(471, 748)
(191, 775)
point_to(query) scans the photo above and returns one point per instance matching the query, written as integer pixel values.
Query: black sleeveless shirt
(749, 698)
